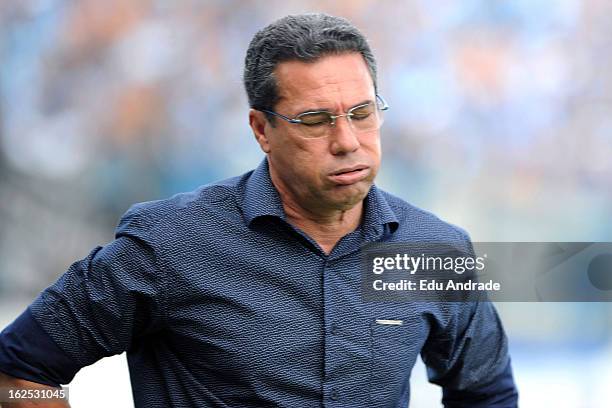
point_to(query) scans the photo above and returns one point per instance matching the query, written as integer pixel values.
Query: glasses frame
(348, 114)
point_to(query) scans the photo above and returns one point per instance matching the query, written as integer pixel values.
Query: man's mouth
(350, 175)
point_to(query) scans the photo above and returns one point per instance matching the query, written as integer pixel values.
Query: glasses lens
(365, 118)
(314, 118)
(315, 124)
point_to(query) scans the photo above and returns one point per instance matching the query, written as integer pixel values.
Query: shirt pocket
(393, 352)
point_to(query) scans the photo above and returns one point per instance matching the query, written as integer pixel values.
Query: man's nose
(343, 138)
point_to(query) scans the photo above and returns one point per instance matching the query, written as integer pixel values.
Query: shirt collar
(262, 199)
(378, 213)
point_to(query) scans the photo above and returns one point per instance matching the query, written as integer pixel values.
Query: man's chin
(347, 197)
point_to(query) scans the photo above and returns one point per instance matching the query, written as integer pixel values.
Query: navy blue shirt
(220, 302)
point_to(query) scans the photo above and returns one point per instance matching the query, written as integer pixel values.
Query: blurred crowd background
(500, 121)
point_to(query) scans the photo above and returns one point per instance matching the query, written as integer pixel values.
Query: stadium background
(500, 121)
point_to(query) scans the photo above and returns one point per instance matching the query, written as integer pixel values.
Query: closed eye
(314, 118)
(360, 116)
(362, 112)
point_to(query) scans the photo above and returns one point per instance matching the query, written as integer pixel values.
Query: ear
(258, 121)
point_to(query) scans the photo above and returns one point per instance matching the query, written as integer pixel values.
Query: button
(334, 396)
(334, 330)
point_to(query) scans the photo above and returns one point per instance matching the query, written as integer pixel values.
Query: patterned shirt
(220, 302)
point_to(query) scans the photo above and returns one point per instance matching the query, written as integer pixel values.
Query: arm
(94, 310)
(467, 353)
(469, 359)
(500, 392)
(17, 383)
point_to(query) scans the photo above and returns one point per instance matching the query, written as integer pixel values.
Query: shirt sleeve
(100, 307)
(470, 360)
(468, 354)
(27, 352)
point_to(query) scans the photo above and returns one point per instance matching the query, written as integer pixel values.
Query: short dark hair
(303, 37)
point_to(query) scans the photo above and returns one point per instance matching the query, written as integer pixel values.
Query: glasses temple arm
(281, 116)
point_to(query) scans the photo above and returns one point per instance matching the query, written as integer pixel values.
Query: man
(246, 293)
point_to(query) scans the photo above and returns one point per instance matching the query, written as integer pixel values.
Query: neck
(325, 229)
(326, 226)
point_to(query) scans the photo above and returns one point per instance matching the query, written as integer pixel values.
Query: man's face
(334, 172)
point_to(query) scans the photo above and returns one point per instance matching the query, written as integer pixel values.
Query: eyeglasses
(362, 118)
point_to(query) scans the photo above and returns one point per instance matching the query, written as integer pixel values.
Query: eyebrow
(329, 111)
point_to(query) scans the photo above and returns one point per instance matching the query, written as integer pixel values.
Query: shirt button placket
(331, 393)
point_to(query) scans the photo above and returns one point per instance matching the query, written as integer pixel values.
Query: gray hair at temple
(303, 37)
